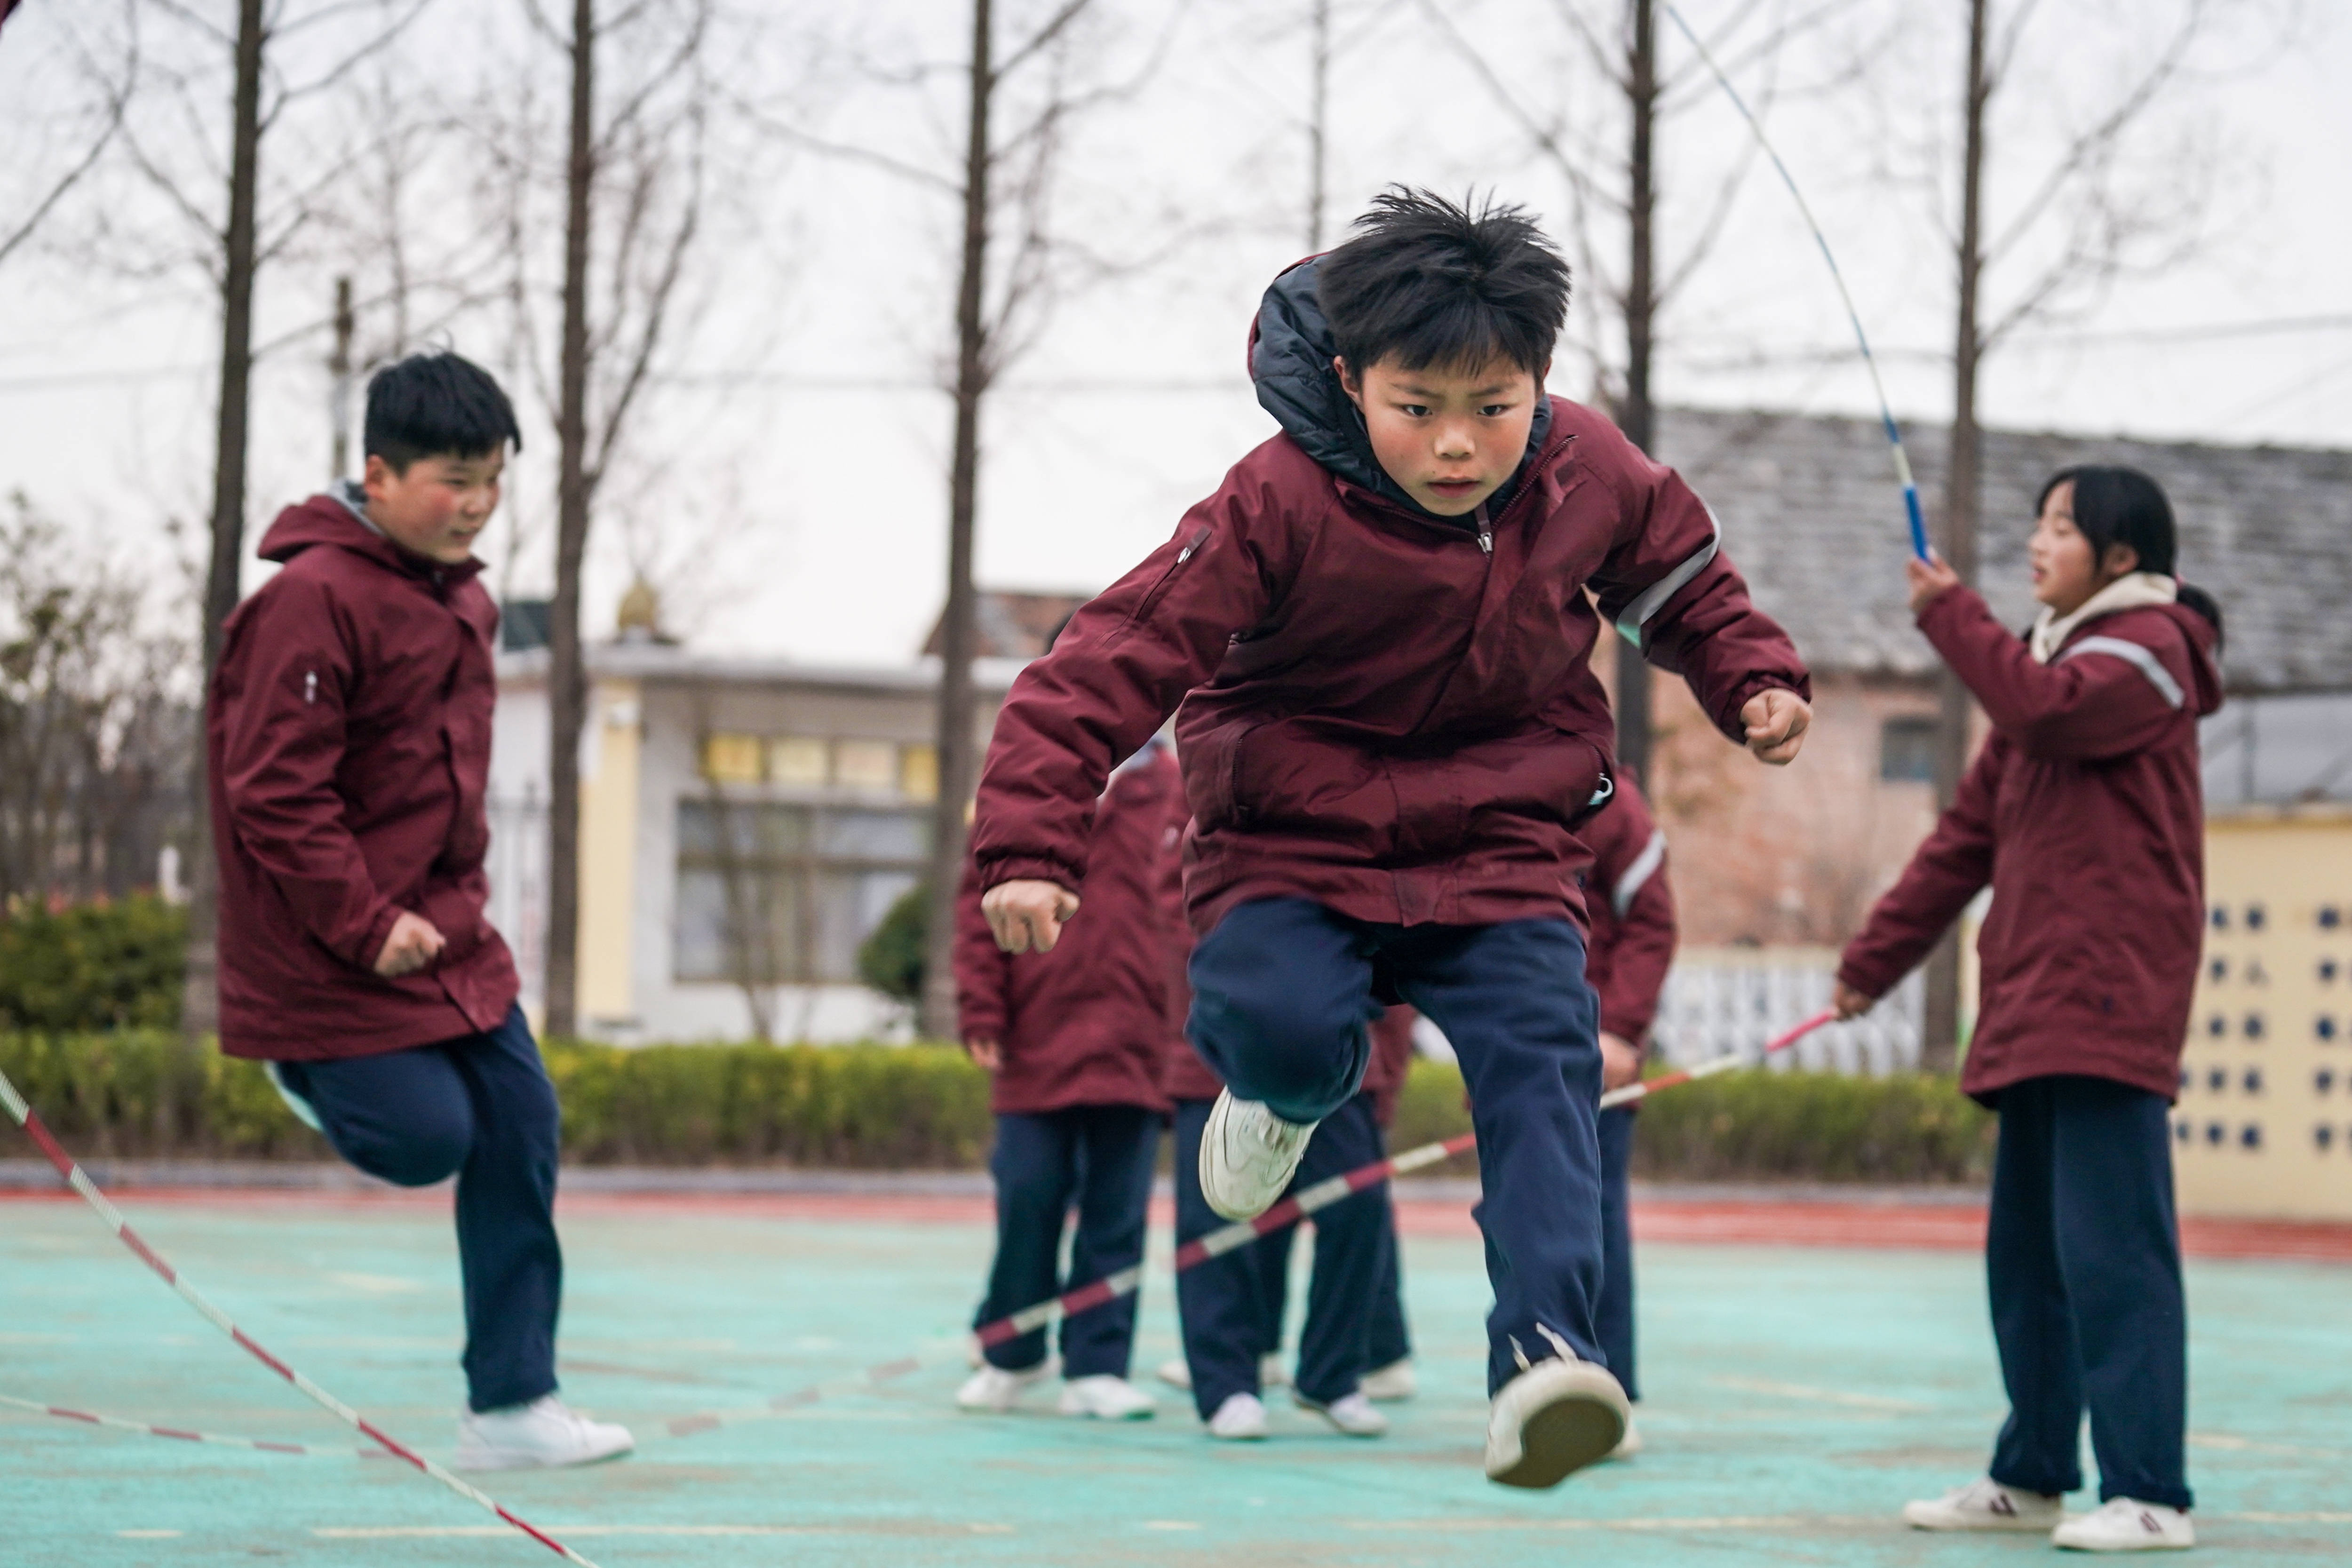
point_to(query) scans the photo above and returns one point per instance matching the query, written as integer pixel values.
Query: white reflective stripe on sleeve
(1644, 867)
(2136, 655)
(1654, 598)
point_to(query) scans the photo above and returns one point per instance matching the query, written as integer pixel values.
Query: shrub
(137, 1092)
(890, 959)
(93, 966)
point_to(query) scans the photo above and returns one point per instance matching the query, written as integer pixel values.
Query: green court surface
(1795, 1397)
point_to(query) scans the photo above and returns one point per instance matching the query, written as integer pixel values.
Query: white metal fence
(1721, 1001)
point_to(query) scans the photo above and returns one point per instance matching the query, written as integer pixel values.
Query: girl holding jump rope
(2084, 812)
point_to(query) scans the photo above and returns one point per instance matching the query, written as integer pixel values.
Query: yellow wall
(2273, 1007)
(608, 848)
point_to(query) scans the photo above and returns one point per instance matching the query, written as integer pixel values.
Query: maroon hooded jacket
(1632, 941)
(348, 759)
(2085, 813)
(1383, 711)
(1091, 1021)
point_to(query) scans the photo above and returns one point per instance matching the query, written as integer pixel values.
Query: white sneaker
(544, 1433)
(1248, 1155)
(1628, 1445)
(1271, 1372)
(993, 1391)
(1552, 1420)
(1175, 1373)
(1985, 1504)
(1352, 1414)
(1387, 1384)
(1105, 1398)
(1240, 1419)
(2126, 1524)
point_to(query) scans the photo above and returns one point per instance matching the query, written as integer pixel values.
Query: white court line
(1822, 1395)
(1887, 1522)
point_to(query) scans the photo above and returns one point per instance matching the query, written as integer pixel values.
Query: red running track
(1746, 1220)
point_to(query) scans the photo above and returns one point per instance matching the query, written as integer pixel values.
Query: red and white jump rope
(1100, 1292)
(1324, 1194)
(81, 1183)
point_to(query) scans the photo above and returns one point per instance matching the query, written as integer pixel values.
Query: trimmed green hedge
(93, 966)
(138, 1092)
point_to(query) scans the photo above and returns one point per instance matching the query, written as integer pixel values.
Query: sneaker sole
(1993, 1526)
(1573, 1431)
(481, 1464)
(1212, 1137)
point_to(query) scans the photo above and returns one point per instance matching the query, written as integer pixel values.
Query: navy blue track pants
(1223, 1302)
(1098, 1157)
(2083, 1264)
(1281, 993)
(479, 1108)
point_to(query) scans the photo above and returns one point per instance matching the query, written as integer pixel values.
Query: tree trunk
(567, 676)
(338, 369)
(1636, 416)
(200, 994)
(1940, 1043)
(957, 630)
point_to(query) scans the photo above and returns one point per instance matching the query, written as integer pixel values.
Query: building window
(1906, 751)
(779, 895)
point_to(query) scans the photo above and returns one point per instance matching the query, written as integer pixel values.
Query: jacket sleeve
(281, 693)
(1668, 589)
(1631, 875)
(2102, 696)
(1951, 867)
(1118, 670)
(982, 970)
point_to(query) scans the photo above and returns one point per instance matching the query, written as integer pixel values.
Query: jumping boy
(1379, 636)
(348, 756)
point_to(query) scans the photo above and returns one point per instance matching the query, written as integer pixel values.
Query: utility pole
(1939, 1043)
(959, 631)
(339, 367)
(1319, 119)
(1635, 416)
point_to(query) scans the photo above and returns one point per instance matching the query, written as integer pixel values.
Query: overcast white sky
(788, 479)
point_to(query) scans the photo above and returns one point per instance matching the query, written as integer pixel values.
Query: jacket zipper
(1485, 531)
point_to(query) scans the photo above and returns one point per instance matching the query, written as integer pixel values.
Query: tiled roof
(1811, 515)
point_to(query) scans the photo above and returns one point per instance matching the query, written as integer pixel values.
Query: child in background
(1230, 1318)
(1378, 635)
(2084, 813)
(1632, 944)
(1388, 1345)
(1073, 1044)
(348, 754)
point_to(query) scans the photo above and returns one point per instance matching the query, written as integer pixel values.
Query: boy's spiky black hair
(1433, 283)
(432, 405)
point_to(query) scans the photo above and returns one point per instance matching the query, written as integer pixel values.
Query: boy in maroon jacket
(1631, 945)
(1073, 1044)
(1379, 633)
(348, 753)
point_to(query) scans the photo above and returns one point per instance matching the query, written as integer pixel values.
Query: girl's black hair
(437, 406)
(2116, 505)
(1436, 283)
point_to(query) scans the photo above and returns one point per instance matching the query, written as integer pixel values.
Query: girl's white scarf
(2133, 590)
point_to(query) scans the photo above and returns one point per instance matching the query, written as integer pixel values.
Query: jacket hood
(2205, 637)
(334, 518)
(1290, 352)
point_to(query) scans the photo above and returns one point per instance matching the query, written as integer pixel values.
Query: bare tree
(96, 720)
(108, 69)
(1610, 168)
(631, 178)
(2086, 218)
